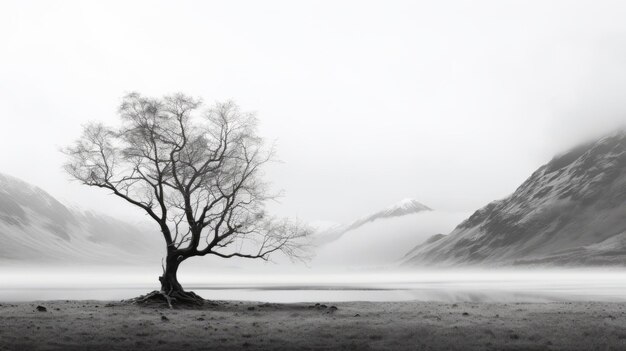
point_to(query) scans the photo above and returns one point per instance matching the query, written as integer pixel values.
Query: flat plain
(105, 325)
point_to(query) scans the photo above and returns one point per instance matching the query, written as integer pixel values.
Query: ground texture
(98, 325)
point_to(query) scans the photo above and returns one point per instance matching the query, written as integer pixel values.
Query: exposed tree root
(172, 299)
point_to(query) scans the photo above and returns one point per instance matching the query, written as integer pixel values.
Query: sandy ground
(101, 325)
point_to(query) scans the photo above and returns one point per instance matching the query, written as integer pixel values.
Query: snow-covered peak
(404, 206)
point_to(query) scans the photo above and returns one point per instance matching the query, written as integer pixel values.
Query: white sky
(453, 103)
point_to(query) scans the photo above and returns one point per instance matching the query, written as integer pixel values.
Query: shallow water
(450, 286)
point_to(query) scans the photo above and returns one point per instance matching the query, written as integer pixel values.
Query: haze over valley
(568, 214)
(312, 175)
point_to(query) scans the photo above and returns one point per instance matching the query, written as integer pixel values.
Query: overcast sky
(453, 103)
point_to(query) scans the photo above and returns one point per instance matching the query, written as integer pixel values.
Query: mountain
(571, 211)
(35, 227)
(401, 208)
(382, 237)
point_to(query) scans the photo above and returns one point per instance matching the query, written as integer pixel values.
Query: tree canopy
(197, 174)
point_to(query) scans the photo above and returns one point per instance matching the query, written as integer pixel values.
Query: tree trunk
(169, 279)
(171, 291)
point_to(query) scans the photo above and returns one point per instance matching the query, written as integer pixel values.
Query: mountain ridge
(573, 203)
(400, 208)
(35, 226)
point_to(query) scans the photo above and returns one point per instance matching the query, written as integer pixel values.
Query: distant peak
(409, 204)
(401, 208)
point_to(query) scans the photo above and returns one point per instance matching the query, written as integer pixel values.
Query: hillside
(571, 211)
(35, 227)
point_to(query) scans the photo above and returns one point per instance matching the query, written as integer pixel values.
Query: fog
(272, 285)
(452, 103)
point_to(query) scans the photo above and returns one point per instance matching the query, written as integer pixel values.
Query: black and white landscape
(570, 211)
(317, 175)
(37, 228)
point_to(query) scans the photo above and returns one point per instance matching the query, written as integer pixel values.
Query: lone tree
(197, 175)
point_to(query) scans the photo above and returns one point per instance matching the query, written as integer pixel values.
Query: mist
(283, 285)
(367, 102)
(442, 175)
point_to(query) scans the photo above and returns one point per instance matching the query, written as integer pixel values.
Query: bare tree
(198, 176)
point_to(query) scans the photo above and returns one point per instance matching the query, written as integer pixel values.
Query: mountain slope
(570, 211)
(35, 227)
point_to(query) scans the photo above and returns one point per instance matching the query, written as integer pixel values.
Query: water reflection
(450, 286)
